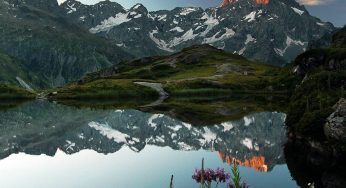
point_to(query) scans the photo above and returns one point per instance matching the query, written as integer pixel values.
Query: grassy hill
(198, 70)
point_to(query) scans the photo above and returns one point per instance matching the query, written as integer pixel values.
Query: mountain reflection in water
(42, 127)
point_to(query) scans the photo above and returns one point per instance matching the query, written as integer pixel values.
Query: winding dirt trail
(157, 87)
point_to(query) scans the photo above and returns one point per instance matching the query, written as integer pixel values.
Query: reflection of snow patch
(173, 135)
(248, 121)
(160, 139)
(81, 136)
(176, 128)
(187, 125)
(70, 145)
(152, 118)
(208, 136)
(227, 126)
(185, 147)
(108, 132)
(247, 142)
(256, 147)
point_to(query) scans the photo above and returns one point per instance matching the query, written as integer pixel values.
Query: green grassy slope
(106, 89)
(198, 70)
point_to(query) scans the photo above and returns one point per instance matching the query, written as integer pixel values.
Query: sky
(328, 10)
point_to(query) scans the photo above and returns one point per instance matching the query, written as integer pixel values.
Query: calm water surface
(43, 144)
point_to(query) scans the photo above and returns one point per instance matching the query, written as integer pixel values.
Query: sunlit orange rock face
(227, 2)
(264, 2)
(256, 162)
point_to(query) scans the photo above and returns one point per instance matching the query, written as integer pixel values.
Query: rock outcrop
(335, 128)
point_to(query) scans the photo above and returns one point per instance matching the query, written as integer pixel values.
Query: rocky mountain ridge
(274, 32)
(56, 44)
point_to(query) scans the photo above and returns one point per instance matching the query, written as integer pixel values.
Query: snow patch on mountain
(210, 22)
(161, 44)
(249, 39)
(189, 35)
(298, 11)
(186, 11)
(162, 17)
(111, 22)
(250, 17)
(178, 29)
(228, 34)
(289, 43)
(320, 24)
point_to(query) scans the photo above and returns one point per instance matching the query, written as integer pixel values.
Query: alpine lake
(122, 144)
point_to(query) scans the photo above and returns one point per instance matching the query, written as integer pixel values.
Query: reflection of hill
(40, 127)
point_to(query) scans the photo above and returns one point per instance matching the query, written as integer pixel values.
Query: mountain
(48, 49)
(267, 31)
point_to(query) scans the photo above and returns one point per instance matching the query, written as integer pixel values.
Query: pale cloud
(314, 2)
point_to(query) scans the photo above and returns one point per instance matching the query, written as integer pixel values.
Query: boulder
(335, 127)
